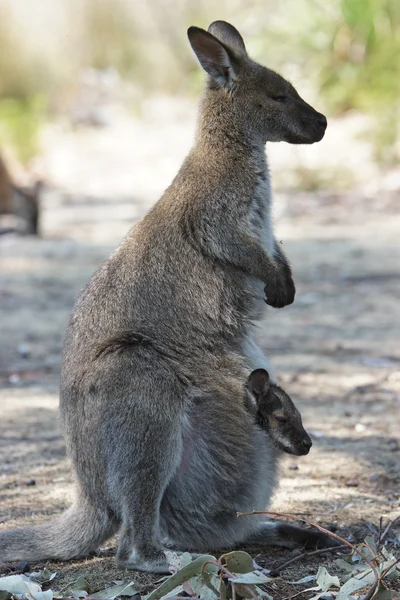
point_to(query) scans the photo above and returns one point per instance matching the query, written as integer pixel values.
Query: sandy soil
(336, 349)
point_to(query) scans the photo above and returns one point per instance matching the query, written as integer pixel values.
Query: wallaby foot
(147, 558)
(290, 536)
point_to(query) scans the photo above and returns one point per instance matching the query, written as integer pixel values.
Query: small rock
(14, 378)
(274, 574)
(24, 351)
(293, 467)
(359, 427)
(394, 446)
(22, 567)
(374, 477)
(30, 482)
(351, 484)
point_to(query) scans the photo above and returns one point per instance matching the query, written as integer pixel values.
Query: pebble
(30, 482)
(351, 484)
(22, 567)
(394, 446)
(374, 477)
(293, 467)
(24, 351)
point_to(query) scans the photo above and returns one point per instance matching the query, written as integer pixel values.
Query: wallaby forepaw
(290, 291)
(280, 294)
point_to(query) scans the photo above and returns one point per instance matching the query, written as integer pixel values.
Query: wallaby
(186, 503)
(161, 338)
(275, 412)
(22, 202)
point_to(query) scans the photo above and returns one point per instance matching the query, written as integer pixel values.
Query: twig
(327, 532)
(387, 529)
(379, 544)
(306, 554)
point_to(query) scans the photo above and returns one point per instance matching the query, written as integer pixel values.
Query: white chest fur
(260, 214)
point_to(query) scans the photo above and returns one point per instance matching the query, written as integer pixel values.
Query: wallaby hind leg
(290, 536)
(149, 449)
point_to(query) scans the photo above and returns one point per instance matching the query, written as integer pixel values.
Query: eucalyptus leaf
(306, 579)
(124, 589)
(252, 578)
(19, 585)
(238, 562)
(354, 584)
(384, 594)
(207, 587)
(325, 580)
(184, 574)
(80, 584)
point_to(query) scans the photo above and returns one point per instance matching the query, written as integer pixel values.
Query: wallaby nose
(307, 443)
(322, 122)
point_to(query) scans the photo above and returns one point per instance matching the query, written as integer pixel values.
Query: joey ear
(213, 56)
(258, 383)
(229, 36)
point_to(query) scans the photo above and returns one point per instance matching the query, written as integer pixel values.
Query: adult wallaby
(165, 326)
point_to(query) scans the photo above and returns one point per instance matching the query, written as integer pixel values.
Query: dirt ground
(336, 349)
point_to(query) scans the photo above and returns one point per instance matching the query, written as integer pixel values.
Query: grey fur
(161, 338)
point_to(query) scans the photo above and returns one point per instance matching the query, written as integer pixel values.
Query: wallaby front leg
(245, 252)
(286, 271)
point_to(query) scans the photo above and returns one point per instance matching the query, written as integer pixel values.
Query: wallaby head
(277, 414)
(253, 101)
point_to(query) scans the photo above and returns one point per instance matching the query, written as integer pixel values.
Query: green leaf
(325, 580)
(207, 587)
(184, 574)
(354, 584)
(19, 584)
(124, 589)
(384, 594)
(80, 584)
(238, 562)
(252, 578)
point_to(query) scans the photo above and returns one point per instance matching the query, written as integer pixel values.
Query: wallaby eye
(281, 419)
(279, 98)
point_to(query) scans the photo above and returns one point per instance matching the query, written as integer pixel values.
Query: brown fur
(161, 339)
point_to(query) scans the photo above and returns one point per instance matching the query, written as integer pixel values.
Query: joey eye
(280, 419)
(279, 98)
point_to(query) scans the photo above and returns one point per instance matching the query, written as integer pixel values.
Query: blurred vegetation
(347, 51)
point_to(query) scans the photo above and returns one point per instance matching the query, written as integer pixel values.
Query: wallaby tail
(79, 530)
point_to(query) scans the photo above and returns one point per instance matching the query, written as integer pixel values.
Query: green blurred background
(346, 52)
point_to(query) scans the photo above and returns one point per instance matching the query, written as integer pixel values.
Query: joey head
(277, 415)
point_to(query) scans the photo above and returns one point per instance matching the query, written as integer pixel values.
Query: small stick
(389, 525)
(326, 531)
(305, 554)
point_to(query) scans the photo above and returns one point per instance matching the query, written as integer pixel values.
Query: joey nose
(307, 443)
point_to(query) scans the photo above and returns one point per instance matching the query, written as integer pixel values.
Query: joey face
(277, 415)
(252, 99)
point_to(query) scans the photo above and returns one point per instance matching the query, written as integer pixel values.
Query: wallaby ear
(258, 383)
(213, 56)
(229, 36)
